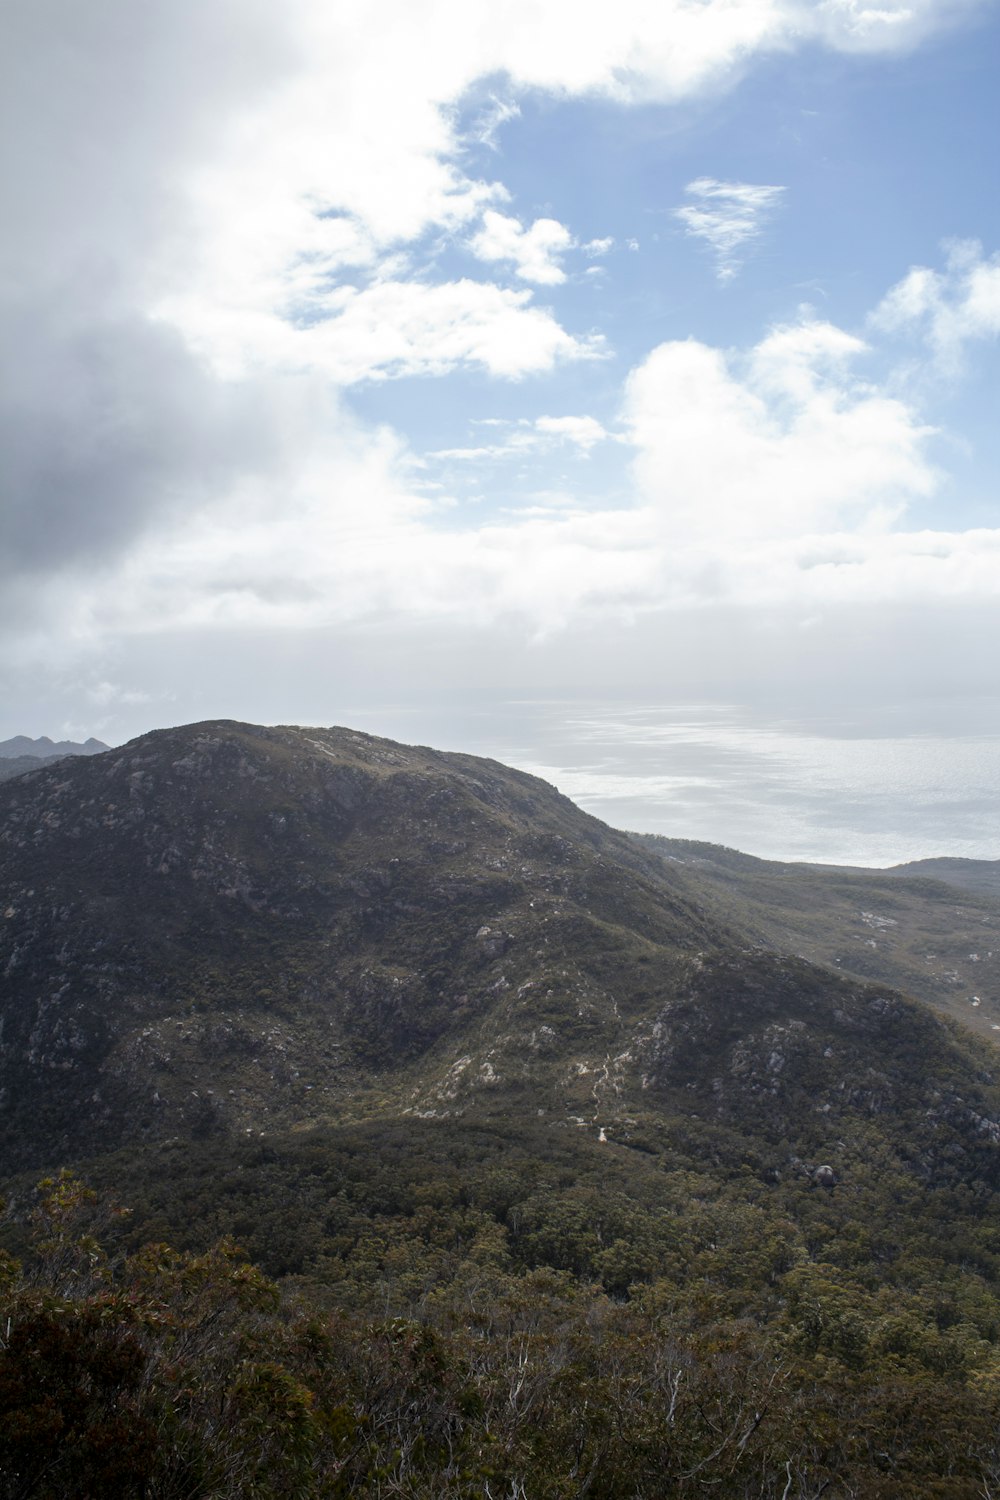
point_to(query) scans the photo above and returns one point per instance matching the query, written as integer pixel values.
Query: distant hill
(982, 876)
(46, 749)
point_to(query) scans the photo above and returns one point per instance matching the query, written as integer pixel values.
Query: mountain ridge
(44, 748)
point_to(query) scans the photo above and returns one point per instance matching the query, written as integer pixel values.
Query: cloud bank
(224, 218)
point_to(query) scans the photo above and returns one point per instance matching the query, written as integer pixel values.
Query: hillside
(931, 928)
(439, 1047)
(981, 876)
(19, 765)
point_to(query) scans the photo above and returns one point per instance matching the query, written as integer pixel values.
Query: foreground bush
(171, 1376)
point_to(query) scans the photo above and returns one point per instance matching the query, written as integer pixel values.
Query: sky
(480, 372)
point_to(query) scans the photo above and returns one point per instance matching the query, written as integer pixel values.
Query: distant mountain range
(44, 748)
(21, 754)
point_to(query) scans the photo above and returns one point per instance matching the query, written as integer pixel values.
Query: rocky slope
(19, 765)
(224, 931)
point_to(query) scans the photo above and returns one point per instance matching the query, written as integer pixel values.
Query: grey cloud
(106, 420)
(106, 423)
(101, 107)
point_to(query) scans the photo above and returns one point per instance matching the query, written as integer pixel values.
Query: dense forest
(468, 1316)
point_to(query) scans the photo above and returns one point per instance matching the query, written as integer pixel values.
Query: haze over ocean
(782, 789)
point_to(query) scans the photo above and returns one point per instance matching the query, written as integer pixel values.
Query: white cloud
(388, 329)
(949, 309)
(766, 480)
(306, 141)
(584, 432)
(488, 123)
(784, 441)
(770, 477)
(529, 435)
(728, 216)
(595, 248)
(891, 26)
(104, 694)
(535, 252)
(376, 563)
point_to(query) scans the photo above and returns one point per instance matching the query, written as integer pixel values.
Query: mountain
(575, 1153)
(46, 749)
(225, 929)
(275, 922)
(21, 754)
(930, 928)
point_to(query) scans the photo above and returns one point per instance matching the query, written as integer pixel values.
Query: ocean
(777, 787)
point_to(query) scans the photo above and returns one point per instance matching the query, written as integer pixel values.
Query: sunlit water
(721, 773)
